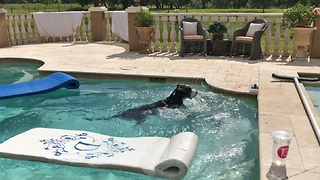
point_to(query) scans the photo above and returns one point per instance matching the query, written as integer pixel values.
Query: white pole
(307, 108)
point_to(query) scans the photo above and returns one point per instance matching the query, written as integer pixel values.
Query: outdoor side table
(219, 47)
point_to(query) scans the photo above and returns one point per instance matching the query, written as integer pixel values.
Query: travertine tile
(304, 132)
(269, 122)
(306, 175)
(279, 101)
(310, 157)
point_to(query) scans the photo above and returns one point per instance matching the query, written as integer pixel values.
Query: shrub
(299, 16)
(144, 18)
(217, 28)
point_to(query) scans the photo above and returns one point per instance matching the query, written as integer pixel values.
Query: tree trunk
(203, 4)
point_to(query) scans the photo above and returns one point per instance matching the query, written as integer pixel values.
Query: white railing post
(164, 20)
(179, 34)
(286, 41)
(29, 28)
(89, 26)
(157, 34)
(7, 19)
(23, 29)
(241, 21)
(84, 28)
(277, 38)
(232, 21)
(11, 32)
(224, 20)
(268, 37)
(173, 34)
(16, 29)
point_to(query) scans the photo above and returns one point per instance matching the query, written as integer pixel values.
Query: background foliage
(179, 4)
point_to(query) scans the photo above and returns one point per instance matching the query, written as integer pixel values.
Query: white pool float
(26, 77)
(154, 156)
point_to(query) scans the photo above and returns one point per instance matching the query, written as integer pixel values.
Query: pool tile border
(230, 76)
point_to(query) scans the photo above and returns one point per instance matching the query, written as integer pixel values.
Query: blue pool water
(314, 94)
(227, 127)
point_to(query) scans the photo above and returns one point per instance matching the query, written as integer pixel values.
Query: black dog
(175, 100)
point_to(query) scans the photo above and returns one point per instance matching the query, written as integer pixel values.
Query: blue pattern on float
(85, 146)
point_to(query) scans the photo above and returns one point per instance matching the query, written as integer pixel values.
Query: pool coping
(276, 99)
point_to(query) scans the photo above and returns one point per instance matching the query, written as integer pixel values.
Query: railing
(109, 35)
(21, 30)
(272, 41)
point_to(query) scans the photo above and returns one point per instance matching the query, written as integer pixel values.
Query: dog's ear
(178, 85)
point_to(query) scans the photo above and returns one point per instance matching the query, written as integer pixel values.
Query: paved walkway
(278, 101)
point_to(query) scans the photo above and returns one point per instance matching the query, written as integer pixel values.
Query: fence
(22, 30)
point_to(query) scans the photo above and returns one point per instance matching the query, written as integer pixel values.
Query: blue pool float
(47, 84)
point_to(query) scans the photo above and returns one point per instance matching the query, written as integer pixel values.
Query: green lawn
(218, 10)
(37, 7)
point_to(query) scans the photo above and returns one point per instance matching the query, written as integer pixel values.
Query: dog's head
(181, 93)
(185, 91)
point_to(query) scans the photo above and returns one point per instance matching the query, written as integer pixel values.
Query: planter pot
(216, 37)
(2, 10)
(301, 39)
(145, 38)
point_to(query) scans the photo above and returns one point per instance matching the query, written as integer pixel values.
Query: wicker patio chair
(250, 36)
(192, 35)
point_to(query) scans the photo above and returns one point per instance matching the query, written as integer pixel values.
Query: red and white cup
(280, 149)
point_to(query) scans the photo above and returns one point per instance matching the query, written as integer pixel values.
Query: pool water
(314, 94)
(227, 127)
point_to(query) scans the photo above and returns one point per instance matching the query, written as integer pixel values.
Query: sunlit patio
(278, 101)
(109, 58)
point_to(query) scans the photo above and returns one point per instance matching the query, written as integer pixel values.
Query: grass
(38, 7)
(218, 10)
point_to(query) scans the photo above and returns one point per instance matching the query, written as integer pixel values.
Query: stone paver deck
(278, 101)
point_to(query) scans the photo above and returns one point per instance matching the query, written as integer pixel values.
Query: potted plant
(144, 22)
(217, 29)
(300, 18)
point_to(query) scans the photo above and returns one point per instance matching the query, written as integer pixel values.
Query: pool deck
(279, 105)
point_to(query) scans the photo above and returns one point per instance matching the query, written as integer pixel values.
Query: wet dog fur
(139, 114)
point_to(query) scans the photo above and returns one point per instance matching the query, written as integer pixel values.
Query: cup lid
(281, 134)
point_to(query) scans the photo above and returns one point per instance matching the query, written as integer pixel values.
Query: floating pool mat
(154, 156)
(47, 84)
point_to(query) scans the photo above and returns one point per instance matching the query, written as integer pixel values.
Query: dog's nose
(193, 93)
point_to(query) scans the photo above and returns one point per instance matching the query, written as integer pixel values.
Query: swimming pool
(313, 91)
(227, 127)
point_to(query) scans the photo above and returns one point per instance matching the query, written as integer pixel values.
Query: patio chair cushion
(244, 38)
(253, 28)
(190, 28)
(193, 37)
